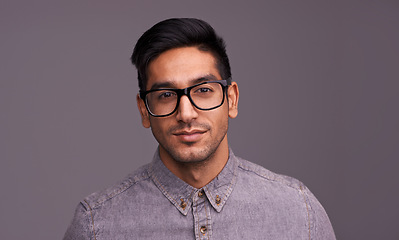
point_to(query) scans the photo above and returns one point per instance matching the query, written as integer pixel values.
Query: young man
(195, 187)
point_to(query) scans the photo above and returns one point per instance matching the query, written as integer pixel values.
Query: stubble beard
(189, 154)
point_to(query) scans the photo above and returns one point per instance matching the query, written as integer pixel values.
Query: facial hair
(188, 156)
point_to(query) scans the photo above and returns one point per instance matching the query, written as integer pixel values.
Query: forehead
(179, 67)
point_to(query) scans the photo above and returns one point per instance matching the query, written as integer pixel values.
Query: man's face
(189, 134)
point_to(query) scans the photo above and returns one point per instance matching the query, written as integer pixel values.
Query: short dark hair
(175, 33)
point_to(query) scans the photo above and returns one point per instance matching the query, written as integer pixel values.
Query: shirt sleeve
(81, 225)
(319, 224)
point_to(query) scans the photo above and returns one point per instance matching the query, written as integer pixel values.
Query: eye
(204, 90)
(165, 95)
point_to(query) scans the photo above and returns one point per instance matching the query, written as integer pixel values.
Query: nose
(186, 112)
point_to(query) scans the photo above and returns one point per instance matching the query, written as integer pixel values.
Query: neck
(198, 174)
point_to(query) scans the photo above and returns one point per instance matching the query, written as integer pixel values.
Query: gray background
(319, 95)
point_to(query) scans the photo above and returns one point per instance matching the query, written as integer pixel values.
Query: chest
(261, 217)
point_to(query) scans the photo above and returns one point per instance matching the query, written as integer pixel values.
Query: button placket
(201, 214)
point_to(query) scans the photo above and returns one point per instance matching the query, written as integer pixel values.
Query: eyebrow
(172, 84)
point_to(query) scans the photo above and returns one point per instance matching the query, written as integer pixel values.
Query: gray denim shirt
(245, 201)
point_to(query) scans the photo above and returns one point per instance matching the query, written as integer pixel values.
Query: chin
(191, 154)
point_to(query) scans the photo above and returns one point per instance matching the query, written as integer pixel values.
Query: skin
(192, 143)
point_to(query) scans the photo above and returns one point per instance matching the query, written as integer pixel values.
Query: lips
(189, 136)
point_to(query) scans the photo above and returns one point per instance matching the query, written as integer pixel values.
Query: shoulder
(96, 199)
(289, 190)
(93, 206)
(282, 190)
(262, 174)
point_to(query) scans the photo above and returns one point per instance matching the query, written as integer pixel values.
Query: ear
(233, 96)
(145, 117)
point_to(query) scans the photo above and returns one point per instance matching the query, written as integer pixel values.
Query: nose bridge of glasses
(184, 92)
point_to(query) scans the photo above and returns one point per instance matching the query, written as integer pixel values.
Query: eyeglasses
(204, 96)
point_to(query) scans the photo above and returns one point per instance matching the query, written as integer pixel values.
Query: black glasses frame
(185, 91)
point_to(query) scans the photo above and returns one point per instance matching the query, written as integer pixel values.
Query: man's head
(185, 54)
(175, 33)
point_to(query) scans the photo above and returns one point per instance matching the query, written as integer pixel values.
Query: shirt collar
(181, 194)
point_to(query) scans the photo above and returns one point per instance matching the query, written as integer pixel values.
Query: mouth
(190, 136)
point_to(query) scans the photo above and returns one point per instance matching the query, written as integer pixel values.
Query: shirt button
(218, 200)
(201, 193)
(203, 230)
(183, 204)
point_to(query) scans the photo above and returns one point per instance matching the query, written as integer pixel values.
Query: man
(195, 187)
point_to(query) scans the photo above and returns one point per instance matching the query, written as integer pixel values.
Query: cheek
(220, 119)
(160, 128)
(157, 127)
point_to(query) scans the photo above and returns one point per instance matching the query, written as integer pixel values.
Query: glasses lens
(208, 95)
(161, 102)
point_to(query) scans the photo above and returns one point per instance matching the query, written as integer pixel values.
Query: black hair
(175, 33)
